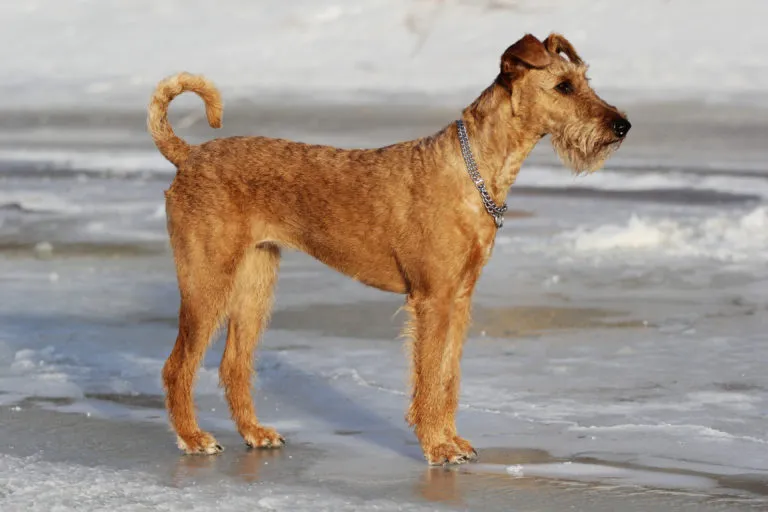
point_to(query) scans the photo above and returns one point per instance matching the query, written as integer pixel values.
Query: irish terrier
(417, 218)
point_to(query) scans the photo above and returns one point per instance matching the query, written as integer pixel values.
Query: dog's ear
(525, 54)
(528, 51)
(556, 44)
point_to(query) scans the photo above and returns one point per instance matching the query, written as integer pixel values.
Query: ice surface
(35, 485)
(578, 471)
(103, 162)
(754, 185)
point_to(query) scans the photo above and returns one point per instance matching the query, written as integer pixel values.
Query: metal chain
(497, 212)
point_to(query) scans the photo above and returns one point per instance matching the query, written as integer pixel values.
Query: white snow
(95, 51)
(727, 237)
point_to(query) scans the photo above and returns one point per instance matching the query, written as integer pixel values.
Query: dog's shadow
(346, 416)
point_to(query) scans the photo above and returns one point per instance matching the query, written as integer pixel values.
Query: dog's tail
(170, 145)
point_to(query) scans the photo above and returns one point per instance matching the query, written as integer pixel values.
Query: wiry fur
(582, 149)
(169, 144)
(404, 218)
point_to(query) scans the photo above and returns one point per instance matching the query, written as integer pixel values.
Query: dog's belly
(383, 280)
(381, 273)
(371, 266)
(367, 259)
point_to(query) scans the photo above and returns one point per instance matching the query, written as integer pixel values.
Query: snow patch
(728, 237)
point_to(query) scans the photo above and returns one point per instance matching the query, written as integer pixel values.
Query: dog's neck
(499, 139)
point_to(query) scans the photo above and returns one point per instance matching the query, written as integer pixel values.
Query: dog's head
(549, 89)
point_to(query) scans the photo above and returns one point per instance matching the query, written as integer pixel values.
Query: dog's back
(348, 208)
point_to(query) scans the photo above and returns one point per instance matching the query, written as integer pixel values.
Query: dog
(417, 218)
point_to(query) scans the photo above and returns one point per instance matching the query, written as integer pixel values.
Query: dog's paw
(199, 443)
(445, 453)
(465, 447)
(257, 436)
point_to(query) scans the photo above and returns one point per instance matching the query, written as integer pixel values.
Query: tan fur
(171, 146)
(404, 218)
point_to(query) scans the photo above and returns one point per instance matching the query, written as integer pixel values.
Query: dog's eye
(565, 87)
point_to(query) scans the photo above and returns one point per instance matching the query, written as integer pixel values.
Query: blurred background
(621, 325)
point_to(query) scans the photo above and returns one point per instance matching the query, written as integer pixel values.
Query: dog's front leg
(452, 361)
(429, 411)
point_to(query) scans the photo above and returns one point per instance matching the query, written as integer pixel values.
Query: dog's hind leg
(249, 310)
(204, 292)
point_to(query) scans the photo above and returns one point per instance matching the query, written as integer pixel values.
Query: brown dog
(412, 218)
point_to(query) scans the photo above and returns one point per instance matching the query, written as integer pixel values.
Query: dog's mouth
(614, 144)
(608, 141)
(584, 158)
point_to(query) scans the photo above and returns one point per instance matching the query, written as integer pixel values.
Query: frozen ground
(617, 356)
(617, 359)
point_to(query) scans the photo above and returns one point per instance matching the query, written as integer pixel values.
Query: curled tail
(170, 145)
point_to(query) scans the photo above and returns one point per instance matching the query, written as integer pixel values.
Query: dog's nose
(620, 127)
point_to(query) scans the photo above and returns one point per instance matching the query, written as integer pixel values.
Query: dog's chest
(485, 247)
(483, 231)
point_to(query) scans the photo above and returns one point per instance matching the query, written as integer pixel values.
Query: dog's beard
(583, 150)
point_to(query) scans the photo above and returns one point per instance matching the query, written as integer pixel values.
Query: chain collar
(495, 211)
